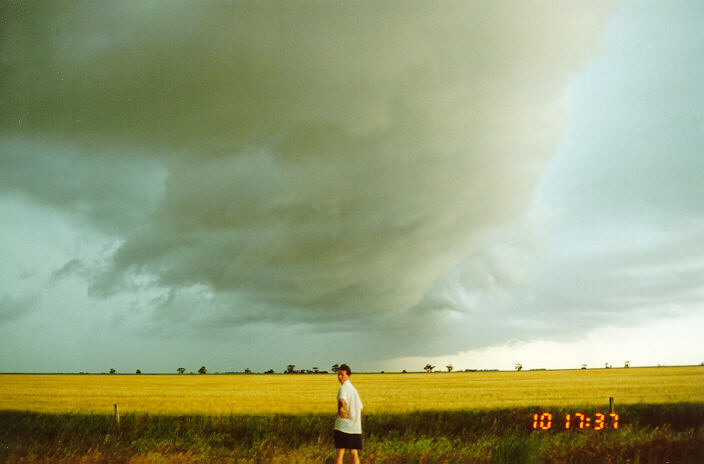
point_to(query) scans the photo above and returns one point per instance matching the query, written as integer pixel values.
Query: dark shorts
(348, 440)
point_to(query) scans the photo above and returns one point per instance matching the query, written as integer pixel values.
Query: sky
(388, 184)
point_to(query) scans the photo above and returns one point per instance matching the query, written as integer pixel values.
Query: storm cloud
(298, 161)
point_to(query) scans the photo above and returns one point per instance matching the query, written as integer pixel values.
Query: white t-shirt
(353, 424)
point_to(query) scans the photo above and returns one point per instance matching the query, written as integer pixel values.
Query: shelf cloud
(293, 161)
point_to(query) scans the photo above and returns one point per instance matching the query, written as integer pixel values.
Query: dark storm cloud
(298, 161)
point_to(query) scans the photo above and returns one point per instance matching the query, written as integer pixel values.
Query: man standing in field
(348, 423)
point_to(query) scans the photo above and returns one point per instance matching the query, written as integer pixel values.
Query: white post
(117, 417)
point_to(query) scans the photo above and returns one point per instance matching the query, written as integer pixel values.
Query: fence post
(117, 417)
(611, 404)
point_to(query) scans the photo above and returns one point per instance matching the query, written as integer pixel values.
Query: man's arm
(342, 409)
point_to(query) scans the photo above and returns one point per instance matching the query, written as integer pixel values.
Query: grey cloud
(562, 295)
(75, 268)
(320, 159)
(12, 308)
(71, 268)
(112, 192)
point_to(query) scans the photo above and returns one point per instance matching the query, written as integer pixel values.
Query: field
(438, 417)
(315, 394)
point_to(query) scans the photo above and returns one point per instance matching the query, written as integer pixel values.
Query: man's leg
(355, 456)
(339, 455)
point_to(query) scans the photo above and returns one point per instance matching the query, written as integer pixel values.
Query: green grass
(648, 433)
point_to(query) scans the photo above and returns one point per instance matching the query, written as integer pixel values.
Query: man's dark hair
(346, 368)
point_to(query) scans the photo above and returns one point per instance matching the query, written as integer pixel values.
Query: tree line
(291, 369)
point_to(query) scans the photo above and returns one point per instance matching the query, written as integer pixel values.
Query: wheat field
(381, 393)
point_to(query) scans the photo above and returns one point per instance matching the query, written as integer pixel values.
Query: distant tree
(449, 367)
(404, 371)
(202, 370)
(181, 370)
(112, 371)
(584, 366)
(290, 369)
(335, 368)
(138, 372)
(429, 368)
(627, 364)
(518, 366)
(270, 371)
(247, 371)
(315, 370)
(607, 366)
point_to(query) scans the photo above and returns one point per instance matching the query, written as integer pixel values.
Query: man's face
(342, 376)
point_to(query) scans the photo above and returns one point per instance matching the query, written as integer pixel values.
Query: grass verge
(647, 433)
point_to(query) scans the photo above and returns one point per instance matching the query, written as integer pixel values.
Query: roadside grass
(647, 433)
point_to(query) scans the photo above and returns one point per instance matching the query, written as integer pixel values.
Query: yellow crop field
(387, 393)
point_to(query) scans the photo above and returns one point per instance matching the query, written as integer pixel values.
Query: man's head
(343, 373)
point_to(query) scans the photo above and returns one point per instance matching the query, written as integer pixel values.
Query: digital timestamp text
(575, 421)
